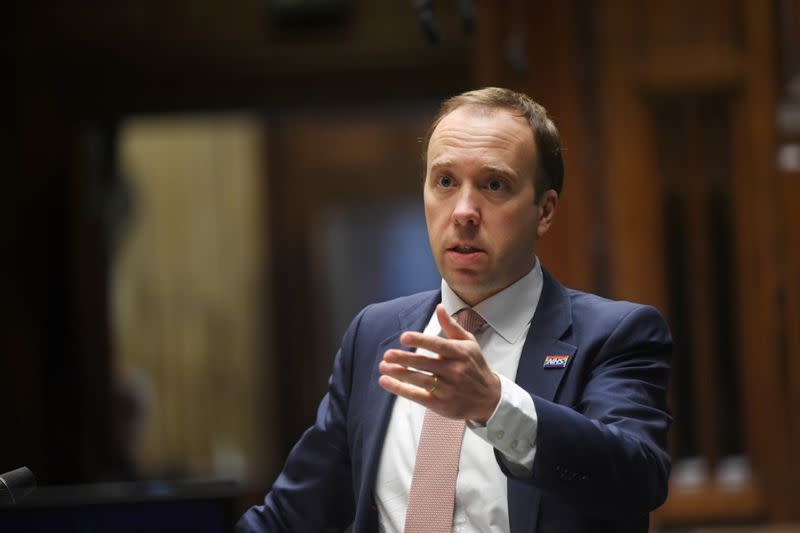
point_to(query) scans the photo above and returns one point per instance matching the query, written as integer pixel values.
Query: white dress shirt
(481, 488)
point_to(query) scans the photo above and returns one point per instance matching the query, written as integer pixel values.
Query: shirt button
(514, 444)
(500, 434)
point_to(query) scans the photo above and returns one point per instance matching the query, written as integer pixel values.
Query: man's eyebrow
(442, 162)
(504, 170)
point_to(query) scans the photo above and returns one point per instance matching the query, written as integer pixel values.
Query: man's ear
(548, 205)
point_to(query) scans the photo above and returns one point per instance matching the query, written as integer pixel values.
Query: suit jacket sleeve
(314, 492)
(604, 452)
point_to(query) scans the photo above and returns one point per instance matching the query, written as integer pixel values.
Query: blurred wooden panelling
(320, 159)
(90, 63)
(698, 173)
(146, 55)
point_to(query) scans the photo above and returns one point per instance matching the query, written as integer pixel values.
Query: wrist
(492, 401)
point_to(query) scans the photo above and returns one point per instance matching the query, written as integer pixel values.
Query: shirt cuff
(512, 428)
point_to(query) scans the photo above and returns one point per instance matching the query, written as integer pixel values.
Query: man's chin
(471, 288)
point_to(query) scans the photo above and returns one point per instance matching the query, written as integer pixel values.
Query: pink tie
(432, 496)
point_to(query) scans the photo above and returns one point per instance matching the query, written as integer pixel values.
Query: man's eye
(446, 181)
(496, 185)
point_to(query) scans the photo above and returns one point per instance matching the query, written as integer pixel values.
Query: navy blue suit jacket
(601, 461)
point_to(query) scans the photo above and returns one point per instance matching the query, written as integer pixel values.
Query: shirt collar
(509, 311)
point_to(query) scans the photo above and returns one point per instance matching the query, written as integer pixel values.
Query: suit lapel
(413, 319)
(552, 319)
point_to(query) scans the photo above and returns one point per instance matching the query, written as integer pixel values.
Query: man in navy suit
(561, 393)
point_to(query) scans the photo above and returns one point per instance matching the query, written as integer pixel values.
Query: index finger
(433, 343)
(451, 328)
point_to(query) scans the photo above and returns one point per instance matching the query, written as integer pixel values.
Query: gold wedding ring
(435, 383)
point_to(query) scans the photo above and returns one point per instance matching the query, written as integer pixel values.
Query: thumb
(450, 327)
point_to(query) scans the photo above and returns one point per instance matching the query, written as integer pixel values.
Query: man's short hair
(548, 143)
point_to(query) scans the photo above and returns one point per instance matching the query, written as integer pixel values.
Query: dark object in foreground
(15, 485)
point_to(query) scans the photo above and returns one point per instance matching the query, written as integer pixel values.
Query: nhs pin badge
(555, 361)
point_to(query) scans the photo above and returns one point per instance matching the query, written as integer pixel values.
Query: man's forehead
(501, 119)
(483, 111)
(505, 126)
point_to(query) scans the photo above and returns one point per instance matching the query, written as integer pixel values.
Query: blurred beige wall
(187, 286)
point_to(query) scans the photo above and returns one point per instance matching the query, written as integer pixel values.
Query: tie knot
(468, 319)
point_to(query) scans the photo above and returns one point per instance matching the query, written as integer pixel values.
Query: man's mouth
(463, 249)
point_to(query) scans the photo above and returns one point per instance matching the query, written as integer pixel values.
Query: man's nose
(467, 210)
